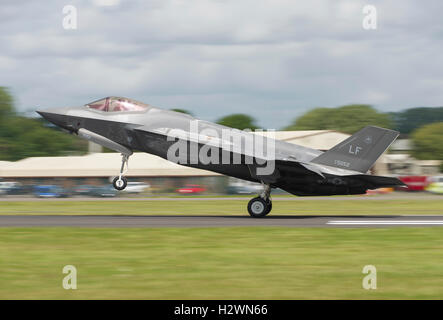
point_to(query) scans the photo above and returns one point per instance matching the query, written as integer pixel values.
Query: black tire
(269, 206)
(120, 186)
(259, 208)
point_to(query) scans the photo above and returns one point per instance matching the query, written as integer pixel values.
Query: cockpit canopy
(117, 104)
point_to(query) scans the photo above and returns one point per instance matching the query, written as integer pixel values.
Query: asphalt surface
(218, 221)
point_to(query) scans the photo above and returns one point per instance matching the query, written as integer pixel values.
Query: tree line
(424, 126)
(22, 137)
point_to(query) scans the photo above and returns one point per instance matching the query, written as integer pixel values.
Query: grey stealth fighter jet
(125, 125)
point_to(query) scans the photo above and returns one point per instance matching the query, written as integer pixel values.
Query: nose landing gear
(121, 182)
(260, 206)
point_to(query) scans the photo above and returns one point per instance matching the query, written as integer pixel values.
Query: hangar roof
(97, 165)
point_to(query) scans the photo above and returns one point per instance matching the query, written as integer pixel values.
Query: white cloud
(272, 59)
(105, 3)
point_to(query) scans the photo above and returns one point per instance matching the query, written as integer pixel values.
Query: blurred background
(37, 159)
(312, 72)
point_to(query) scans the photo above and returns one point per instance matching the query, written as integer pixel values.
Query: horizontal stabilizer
(379, 181)
(360, 151)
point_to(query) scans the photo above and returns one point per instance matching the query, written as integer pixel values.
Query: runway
(217, 221)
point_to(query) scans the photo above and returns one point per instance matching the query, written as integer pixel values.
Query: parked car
(4, 186)
(50, 191)
(103, 191)
(136, 187)
(414, 183)
(9, 187)
(191, 189)
(83, 190)
(244, 188)
(435, 185)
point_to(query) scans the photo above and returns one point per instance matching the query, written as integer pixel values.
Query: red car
(191, 188)
(415, 183)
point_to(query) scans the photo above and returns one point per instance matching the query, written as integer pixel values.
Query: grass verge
(221, 263)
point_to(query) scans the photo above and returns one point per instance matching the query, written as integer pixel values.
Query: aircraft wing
(240, 142)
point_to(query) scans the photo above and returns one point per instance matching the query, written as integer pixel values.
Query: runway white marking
(384, 222)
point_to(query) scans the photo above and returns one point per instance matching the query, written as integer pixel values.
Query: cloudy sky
(270, 59)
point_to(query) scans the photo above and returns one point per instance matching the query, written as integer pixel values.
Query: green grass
(223, 207)
(221, 263)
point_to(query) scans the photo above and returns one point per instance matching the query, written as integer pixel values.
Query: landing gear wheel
(120, 183)
(258, 207)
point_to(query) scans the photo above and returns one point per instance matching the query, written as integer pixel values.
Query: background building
(165, 176)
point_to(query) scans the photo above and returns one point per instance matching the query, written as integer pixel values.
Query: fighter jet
(126, 125)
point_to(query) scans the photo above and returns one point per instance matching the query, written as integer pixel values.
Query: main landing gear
(121, 182)
(260, 206)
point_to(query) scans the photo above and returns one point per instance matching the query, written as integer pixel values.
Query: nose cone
(55, 116)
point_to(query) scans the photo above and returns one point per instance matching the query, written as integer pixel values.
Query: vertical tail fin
(359, 151)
